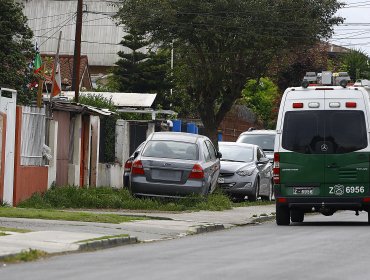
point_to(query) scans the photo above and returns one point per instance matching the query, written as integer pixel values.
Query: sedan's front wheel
(256, 187)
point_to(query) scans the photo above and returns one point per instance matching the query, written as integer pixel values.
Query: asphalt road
(322, 248)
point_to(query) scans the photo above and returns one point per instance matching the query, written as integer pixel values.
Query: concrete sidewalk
(66, 236)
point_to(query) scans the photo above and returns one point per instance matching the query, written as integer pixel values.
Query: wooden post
(77, 52)
(56, 58)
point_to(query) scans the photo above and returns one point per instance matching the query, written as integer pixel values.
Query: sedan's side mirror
(263, 160)
(219, 155)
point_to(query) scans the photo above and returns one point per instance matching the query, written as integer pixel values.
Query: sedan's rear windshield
(324, 132)
(265, 141)
(172, 150)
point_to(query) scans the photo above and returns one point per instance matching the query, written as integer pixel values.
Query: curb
(107, 243)
(206, 228)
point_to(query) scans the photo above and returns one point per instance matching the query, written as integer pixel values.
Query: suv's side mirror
(263, 160)
(219, 155)
(136, 154)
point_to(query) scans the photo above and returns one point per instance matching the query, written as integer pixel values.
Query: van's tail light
(137, 168)
(128, 165)
(297, 105)
(351, 104)
(276, 171)
(197, 172)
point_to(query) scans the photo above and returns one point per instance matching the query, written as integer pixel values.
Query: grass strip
(103, 238)
(25, 256)
(19, 230)
(64, 215)
(3, 233)
(109, 198)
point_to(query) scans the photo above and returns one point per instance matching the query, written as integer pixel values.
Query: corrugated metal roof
(101, 36)
(62, 105)
(121, 99)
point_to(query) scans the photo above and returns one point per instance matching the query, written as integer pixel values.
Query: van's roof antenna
(251, 128)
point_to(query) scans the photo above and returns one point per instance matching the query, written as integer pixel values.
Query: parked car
(245, 171)
(174, 165)
(128, 165)
(263, 138)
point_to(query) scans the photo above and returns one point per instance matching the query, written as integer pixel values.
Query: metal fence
(33, 136)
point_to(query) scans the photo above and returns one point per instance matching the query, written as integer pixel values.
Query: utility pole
(77, 52)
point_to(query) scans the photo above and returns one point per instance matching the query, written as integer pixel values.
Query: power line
(56, 31)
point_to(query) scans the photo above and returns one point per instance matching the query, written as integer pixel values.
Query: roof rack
(326, 78)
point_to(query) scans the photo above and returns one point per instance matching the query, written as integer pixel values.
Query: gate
(138, 131)
(8, 103)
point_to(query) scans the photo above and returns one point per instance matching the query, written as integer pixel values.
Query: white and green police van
(322, 151)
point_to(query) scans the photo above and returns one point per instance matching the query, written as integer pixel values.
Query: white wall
(53, 145)
(110, 175)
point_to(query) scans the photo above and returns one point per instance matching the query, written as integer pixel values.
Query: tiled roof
(66, 67)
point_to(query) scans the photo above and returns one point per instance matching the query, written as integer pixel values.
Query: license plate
(221, 180)
(303, 191)
(170, 175)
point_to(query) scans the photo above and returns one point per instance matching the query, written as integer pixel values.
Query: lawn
(49, 214)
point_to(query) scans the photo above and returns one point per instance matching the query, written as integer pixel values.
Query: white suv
(263, 138)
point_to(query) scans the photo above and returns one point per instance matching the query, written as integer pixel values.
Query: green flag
(37, 64)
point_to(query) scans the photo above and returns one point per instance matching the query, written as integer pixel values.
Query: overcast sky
(355, 32)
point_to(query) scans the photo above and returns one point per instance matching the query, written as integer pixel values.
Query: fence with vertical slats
(33, 136)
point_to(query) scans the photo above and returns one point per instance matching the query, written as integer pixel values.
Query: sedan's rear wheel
(270, 196)
(238, 198)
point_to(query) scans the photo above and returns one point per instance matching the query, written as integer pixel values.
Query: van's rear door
(302, 165)
(346, 136)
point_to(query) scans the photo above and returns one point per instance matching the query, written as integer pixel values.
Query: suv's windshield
(329, 132)
(265, 141)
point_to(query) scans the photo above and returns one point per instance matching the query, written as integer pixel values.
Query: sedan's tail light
(197, 172)
(137, 168)
(128, 165)
(276, 171)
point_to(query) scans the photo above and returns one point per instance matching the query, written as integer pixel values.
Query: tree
(143, 69)
(15, 50)
(128, 73)
(289, 68)
(221, 44)
(357, 64)
(261, 96)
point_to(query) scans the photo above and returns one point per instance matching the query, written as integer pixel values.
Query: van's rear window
(324, 132)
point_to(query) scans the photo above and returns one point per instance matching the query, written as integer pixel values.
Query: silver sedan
(172, 164)
(245, 171)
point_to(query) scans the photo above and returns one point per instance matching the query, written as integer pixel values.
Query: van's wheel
(256, 188)
(282, 215)
(296, 215)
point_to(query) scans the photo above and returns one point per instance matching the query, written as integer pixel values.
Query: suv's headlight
(245, 172)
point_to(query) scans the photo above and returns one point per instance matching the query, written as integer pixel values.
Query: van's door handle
(333, 165)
